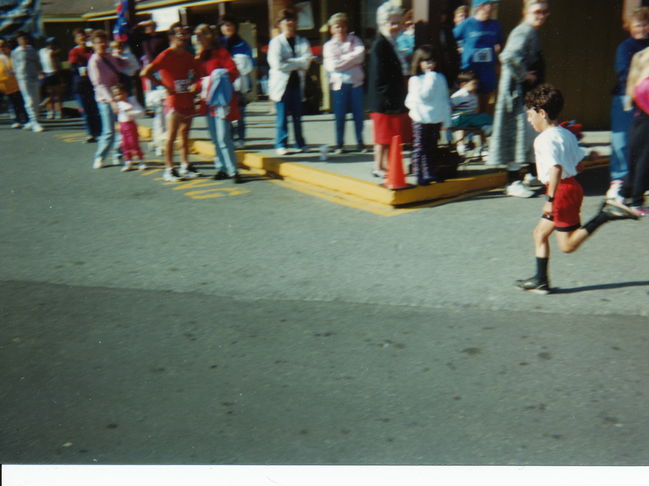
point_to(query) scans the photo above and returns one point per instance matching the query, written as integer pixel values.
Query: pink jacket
(344, 61)
(102, 76)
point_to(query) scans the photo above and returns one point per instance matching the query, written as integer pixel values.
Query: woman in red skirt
(387, 87)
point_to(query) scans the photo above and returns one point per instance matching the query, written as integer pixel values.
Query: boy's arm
(555, 177)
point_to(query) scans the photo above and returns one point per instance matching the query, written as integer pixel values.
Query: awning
(148, 7)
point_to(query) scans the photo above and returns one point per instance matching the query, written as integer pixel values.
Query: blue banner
(120, 31)
(18, 15)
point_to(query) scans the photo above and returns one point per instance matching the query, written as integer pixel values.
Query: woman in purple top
(103, 69)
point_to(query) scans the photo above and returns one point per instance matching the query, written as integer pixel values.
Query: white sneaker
(141, 166)
(281, 151)
(98, 163)
(517, 189)
(614, 189)
(36, 127)
(50, 115)
(531, 181)
(171, 175)
(128, 165)
(16, 125)
(28, 126)
(188, 172)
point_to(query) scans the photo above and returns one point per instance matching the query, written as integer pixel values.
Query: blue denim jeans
(107, 137)
(291, 103)
(348, 99)
(225, 159)
(620, 125)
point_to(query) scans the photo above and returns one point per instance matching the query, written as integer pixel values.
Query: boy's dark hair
(78, 31)
(466, 77)
(545, 97)
(423, 53)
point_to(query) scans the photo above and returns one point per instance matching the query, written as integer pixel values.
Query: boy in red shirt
(180, 73)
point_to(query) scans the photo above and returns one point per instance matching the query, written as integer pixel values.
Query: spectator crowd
(468, 86)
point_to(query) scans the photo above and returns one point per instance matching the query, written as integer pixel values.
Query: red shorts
(388, 125)
(567, 205)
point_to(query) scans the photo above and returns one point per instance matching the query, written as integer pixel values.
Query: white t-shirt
(557, 146)
(45, 55)
(129, 110)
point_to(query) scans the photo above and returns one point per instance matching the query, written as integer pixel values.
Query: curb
(359, 188)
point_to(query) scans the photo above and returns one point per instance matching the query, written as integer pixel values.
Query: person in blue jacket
(638, 26)
(481, 38)
(242, 55)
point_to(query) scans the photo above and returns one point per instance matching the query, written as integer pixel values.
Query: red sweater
(221, 58)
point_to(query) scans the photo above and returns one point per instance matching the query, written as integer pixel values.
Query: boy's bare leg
(541, 235)
(570, 241)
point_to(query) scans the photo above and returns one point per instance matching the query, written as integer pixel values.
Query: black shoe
(236, 178)
(534, 285)
(618, 210)
(91, 139)
(220, 175)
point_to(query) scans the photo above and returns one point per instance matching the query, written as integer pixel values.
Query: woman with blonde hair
(212, 56)
(343, 57)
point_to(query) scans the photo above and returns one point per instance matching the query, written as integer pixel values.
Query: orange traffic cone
(396, 178)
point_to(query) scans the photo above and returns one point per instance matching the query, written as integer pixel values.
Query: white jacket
(428, 99)
(282, 61)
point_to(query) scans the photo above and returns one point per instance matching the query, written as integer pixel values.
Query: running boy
(179, 73)
(557, 158)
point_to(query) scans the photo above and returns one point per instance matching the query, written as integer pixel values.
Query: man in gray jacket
(28, 69)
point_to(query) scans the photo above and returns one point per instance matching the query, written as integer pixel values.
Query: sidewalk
(350, 173)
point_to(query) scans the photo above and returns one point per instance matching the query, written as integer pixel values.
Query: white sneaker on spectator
(281, 151)
(142, 166)
(128, 165)
(36, 127)
(16, 125)
(531, 181)
(614, 189)
(188, 172)
(98, 163)
(171, 175)
(517, 189)
(28, 126)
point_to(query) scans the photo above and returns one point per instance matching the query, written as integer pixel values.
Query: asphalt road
(212, 323)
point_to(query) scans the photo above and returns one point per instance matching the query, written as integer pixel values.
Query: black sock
(542, 269)
(596, 222)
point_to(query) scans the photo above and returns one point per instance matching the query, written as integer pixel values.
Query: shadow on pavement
(610, 286)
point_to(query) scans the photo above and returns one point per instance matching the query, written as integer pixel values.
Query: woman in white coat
(289, 57)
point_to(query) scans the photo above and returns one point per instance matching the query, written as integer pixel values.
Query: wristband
(549, 198)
